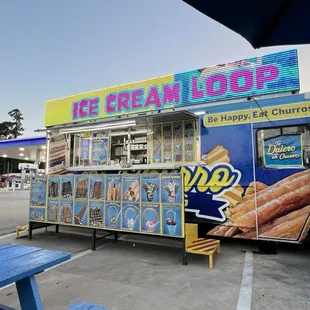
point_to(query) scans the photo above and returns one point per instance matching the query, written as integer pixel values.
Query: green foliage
(14, 128)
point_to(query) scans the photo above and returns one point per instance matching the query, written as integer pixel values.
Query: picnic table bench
(20, 264)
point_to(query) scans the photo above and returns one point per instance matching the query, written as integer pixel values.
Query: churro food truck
(225, 147)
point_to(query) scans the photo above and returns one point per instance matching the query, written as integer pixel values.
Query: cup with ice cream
(170, 222)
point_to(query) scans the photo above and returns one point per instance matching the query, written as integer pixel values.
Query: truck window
(284, 147)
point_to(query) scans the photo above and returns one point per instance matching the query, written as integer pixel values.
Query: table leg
(93, 240)
(28, 294)
(30, 230)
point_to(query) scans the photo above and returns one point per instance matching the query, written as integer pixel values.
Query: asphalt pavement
(129, 274)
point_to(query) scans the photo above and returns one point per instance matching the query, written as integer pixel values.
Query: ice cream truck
(237, 133)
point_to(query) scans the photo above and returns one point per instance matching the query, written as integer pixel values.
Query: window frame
(260, 163)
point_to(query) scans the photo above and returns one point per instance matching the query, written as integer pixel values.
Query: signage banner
(283, 151)
(269, 74)
(257, 115)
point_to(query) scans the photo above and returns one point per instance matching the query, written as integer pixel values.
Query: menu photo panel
(38, 191)
(37, 214)
(81, 186)
(131, 188)
(172, 188)
(67, 186)
(66, 212)
(150, 188)
(150, 218)
(131, 216)
(113, 187)
(97, 187)
(54, 186)
(81, 213)
(52, 210)
(113, 215)
(172, 220)
(96, 213)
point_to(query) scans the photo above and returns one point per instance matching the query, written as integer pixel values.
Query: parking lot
(129, 274)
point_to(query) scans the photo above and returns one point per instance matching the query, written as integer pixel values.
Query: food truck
(225, 147)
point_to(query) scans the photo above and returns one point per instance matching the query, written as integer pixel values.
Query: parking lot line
(10, 235)
(245, 293)
(74, 257)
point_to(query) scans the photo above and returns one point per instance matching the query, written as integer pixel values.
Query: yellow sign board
(257, 115)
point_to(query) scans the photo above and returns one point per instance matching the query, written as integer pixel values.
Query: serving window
(161, 141)
(284, 147)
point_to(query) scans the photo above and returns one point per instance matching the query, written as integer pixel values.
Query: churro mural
(254, 181)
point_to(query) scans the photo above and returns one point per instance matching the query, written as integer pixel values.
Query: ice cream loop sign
(260, 75)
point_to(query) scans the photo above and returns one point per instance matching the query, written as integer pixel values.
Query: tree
(17, 127)
(6, 130)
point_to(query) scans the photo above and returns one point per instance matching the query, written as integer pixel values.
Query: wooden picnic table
(20, 264)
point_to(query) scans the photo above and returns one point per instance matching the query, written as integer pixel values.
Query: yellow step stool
(202, 246)
(21, 228)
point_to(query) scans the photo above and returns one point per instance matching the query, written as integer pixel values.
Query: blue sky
(56, 48)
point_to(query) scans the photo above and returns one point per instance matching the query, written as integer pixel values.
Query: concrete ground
(13, 209)
(121, 276)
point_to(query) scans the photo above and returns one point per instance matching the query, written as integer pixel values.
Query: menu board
(100, 148)
(84, 148)
(167, 142)
(189, 140)
(57, 153)
(174, 142)
(148, 203)
(38, 191)
(177, 142)
(157, 143)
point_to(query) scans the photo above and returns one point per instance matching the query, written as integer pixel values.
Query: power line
(274, 124)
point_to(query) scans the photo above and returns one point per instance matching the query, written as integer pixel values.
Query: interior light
(4, 155)
(200, 113)
(43, 147)
(21, 149)
(21, 154)
(27, 158)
